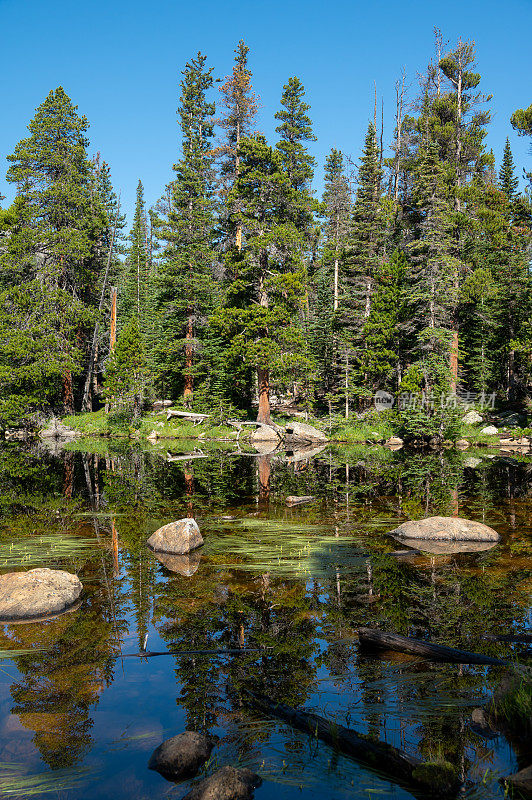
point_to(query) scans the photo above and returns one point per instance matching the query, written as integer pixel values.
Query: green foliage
(125, 374)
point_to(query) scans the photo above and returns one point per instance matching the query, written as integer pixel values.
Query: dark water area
(79, 718)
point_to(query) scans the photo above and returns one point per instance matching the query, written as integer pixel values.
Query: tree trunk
(189, 378)
(112, 327)
(263, 376)
(454, 361)
(68, 393)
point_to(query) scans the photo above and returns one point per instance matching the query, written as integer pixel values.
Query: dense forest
(241, 288)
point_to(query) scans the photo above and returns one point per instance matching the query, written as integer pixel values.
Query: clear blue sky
(120, 62)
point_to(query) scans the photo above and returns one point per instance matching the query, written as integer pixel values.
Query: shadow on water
(296, 582)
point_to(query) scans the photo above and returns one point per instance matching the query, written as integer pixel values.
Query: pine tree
(125, 374)
(240, 105)
(295, 129)
(337, 207)
(134, 289)
(55, 245)
(366, 247)
(185, 279)
(259, 320)
(507, 179)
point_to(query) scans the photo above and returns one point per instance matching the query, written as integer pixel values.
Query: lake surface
(79, 718)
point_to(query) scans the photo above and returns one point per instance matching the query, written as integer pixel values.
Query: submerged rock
(186, 564)
(181, 756)
(446, 547)
(227, 783)
(177, 537)
(294, 500)
(37, 593)
(449, 528)
(303, 432)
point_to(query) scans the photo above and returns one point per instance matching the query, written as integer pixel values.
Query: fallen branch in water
(389, 761)
(370, 637)
(152, 654)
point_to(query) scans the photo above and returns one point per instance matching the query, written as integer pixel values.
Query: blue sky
(120, 62)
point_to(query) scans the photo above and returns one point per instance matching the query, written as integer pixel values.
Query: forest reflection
(296, 583)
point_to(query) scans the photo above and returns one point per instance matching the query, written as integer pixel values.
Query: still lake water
(79, 718)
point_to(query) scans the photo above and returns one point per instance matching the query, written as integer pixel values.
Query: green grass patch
(37, 551)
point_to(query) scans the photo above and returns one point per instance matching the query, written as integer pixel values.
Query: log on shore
(369, 637)
(389, 761)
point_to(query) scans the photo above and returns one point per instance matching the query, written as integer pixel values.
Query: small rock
(489, 430)
(37, 593)
(480, 724)
(181, 756)
(294, 500)
(522, 780)
(301, 431)
(462, 444)
(449, 528)
(177, 537)
(472, 418)
(394, 441)
(226, 783)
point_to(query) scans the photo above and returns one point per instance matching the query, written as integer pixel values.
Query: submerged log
(434, 652)
(389, 761)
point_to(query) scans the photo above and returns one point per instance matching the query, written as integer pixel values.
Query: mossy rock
(441, 776)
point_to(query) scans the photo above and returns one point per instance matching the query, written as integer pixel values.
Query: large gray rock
(265, 433)
(177, 537)
(227, 783)
(472, 418)
(37, 593)
(449, 528)
(302, 432)
(522, 781)
(181, 756)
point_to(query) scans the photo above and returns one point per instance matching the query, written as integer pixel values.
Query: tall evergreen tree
(134, 289)
(185, 278)
(260, 317)
(507, 179)
(240, 105)
(54, 249)
(295, 129)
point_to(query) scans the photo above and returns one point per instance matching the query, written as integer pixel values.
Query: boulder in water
(299, 431)
(37, 593)
(447, 528)
(227, 783)
(177, 537)
(295, 500)
(181, 756)
(265, 433)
